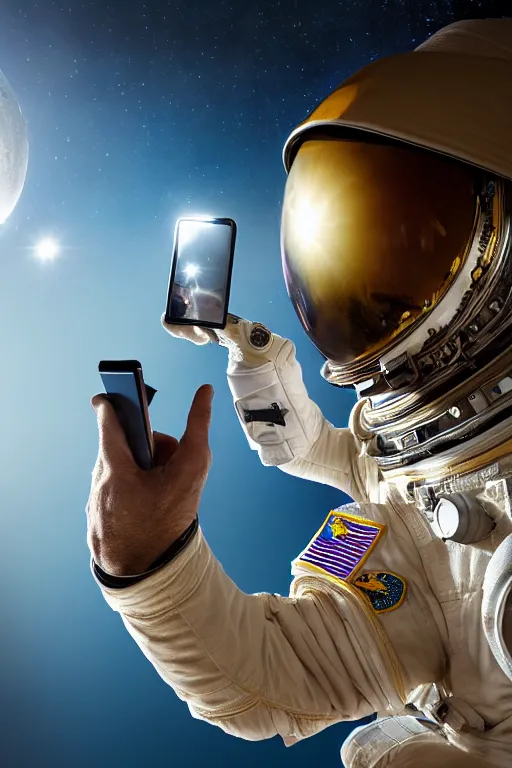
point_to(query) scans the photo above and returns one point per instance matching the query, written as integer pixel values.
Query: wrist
(128, 559)
(249, 345)
(116, 580)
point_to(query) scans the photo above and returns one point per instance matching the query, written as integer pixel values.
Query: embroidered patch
(385, 591)
(342, 545)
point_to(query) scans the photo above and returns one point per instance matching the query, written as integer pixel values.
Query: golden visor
(372, 237)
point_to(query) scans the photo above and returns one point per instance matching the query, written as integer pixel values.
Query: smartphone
(201, 268)
(124, 385)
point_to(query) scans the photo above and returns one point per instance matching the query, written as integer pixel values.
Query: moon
(13, 150)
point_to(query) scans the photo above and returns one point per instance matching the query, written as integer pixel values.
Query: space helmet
(396, 244)
(13, 150)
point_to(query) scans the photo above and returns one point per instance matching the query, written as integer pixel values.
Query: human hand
(133, 515)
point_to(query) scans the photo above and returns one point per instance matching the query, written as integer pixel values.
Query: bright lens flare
(47, 249)
(308, 220)
(191, 270)
(189, 229)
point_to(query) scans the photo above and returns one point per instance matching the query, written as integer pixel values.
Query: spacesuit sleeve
(300, 441)
(254, 665)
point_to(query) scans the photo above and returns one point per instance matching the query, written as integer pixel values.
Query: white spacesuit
(400, 602)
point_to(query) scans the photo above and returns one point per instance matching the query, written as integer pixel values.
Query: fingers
(193, 333)
(165, 448)
(199, 417)
(113, 444)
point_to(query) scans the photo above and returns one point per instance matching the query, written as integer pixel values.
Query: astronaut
(397, 257)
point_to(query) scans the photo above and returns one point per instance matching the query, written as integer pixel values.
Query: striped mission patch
(341, 545)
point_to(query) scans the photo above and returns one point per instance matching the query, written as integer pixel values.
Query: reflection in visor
(372, 236)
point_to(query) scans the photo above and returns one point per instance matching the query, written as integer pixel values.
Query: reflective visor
(372, 237)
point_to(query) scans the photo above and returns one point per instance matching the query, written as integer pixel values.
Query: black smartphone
(201, 268)
(124, 384)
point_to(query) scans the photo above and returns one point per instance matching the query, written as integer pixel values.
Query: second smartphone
(124, 384)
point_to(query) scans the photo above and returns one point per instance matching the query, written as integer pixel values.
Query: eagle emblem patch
(385, 591)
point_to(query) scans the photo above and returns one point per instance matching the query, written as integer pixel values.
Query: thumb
(195, 436)
(113, 443)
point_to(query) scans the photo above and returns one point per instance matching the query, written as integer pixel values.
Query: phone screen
(201, 272)
(124, 383)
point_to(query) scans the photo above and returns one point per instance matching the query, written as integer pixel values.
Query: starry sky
(139, 113)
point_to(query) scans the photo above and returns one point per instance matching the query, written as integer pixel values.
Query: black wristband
(120, 582)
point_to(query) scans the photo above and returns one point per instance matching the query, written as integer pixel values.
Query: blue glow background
(139, 113)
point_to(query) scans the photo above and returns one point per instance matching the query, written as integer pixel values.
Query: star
(47, 249)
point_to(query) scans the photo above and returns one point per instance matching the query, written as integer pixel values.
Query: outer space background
(139, 113)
